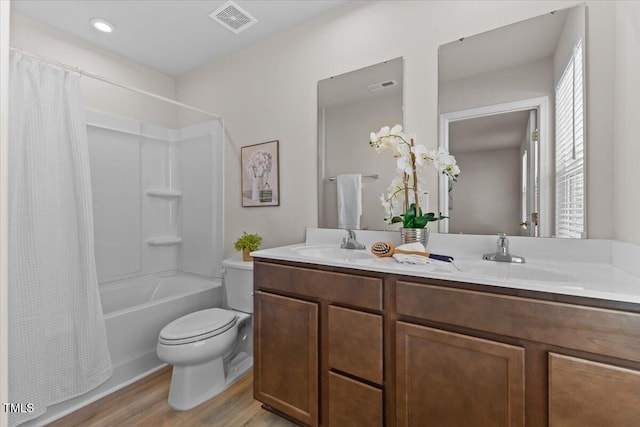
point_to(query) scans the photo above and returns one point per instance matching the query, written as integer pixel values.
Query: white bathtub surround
(57, 339)
(589, 268)
(157, 196)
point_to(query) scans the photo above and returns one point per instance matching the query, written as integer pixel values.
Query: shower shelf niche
(164, 193)
(164, 241)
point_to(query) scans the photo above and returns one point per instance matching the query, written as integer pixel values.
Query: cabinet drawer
(355, 343)
(608, 332)
(359, 291)
(352, 403)
(589, 394)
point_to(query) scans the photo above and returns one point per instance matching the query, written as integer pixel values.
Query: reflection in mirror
(350, 107)
(491, 147)
(511, 113)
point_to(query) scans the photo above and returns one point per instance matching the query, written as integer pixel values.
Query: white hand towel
(414, 246)
(412, 258)
(349, 201)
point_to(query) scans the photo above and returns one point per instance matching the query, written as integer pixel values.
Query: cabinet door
(450, 380)
(286, 356)
(584, 393)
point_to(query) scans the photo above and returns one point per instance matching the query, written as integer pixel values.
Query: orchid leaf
(411, 212)
(430, 216)
(420, 222)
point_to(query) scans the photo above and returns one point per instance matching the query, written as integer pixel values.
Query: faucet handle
(351, 242)
(502, 253)
(503, 242)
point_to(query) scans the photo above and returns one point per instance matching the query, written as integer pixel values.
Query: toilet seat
(198, 326)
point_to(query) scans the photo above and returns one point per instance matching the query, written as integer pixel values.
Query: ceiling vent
(373, 87)
(232, 17)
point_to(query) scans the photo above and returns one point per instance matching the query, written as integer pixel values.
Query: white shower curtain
(57, 339)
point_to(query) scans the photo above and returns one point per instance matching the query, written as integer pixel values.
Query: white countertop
(585, 268)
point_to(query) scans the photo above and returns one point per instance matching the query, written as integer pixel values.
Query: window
(570, 194)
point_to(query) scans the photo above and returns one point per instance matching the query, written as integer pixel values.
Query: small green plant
(248, 241)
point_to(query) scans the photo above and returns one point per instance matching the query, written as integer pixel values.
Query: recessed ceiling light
(102, 25)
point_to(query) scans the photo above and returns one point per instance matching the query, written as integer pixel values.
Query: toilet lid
(197, 326)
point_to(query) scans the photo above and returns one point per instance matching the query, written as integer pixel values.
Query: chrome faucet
(502, 254)
(351, 242)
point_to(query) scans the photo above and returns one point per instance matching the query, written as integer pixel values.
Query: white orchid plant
(402, 202)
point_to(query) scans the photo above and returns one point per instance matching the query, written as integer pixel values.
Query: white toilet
(210, 349)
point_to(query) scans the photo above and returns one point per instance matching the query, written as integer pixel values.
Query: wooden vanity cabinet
(545, 363)
(336, 347)
(318, 345)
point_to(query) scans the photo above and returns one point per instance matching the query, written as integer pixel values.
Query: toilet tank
(238, 282)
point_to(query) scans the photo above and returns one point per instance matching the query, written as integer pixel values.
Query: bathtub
(135, 310)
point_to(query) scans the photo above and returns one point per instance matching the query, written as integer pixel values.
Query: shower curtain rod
(107, 80)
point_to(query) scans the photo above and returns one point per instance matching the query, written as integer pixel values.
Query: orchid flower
(403, 190)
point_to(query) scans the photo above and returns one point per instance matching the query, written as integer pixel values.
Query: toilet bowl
(205, 348)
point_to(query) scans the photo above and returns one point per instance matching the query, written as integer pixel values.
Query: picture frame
(260, 168)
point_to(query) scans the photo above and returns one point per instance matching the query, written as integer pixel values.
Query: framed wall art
(260, 174)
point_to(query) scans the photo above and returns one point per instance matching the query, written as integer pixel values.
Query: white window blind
(570, 196)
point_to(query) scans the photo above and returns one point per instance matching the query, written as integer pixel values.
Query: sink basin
(332, 253)
(513, 271)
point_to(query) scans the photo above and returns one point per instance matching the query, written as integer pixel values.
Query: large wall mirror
(350, 107)
(511, 112)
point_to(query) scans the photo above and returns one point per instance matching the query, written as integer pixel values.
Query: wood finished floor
(144, 403)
